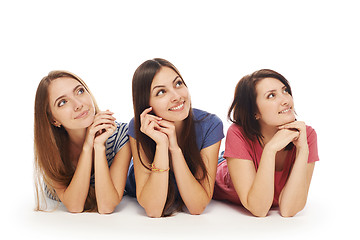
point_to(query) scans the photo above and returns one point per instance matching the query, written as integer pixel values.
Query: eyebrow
(161, 86)
(65, 95)
(274, 90)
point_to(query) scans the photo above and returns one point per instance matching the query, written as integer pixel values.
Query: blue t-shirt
(208, 130)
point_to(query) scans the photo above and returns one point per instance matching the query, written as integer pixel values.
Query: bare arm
(255, 189)
(110, 183)
(293, 197)
(196, 195)
(74, 195)
(151, 187)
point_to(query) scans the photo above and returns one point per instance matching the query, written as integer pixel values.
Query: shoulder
(204, 117)
(120, 132)
(121, 128)
(310, 132)
(312, 143)
(131, 126)
(208, 128)
(236, 131)
(118, 139)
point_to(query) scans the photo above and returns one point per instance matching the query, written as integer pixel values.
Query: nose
(175, 96)
(285, 100)
(77, 105)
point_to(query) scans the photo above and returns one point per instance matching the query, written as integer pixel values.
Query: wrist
(175, 149)
(268, 149)
(99, 147)
(302, 150)
(87, 147)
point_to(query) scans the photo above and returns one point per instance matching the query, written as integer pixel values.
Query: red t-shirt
(238, 146)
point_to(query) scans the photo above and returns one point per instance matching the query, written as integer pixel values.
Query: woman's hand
(282, 138)
(169, 129)
(301, 141)
(105, 125)
(150, 126)
(101, 129)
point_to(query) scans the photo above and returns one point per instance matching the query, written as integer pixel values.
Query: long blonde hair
(51, 146)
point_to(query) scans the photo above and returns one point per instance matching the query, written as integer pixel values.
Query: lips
(82, 114)
(285, 110)
(178, 107)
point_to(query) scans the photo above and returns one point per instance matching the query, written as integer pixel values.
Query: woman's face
(275, 104)
(70, 104)
(169, 97)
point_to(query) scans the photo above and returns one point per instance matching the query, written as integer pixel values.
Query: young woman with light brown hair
(81, 154)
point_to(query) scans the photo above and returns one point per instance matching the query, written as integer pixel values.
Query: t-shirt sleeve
(131, 131)
(122, 136)
(312, 143)
(214, 131)
(236, 145)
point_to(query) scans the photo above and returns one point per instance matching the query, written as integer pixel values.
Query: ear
(56, 123)
(257, 116)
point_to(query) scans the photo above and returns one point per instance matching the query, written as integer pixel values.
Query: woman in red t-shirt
(270, 157)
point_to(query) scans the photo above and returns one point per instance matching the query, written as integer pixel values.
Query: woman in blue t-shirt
(81, 154)
(175, 148)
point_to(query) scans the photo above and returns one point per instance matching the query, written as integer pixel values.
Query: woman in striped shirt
(76, 144)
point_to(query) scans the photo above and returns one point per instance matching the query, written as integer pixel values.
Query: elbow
(107, 208)
(258, 210)
(258, 213)
(289, 212)
(153, 214)
(197, 211)
(75, 209)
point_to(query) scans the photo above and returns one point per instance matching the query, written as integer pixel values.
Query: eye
(160, 92)
(80, 91)
(61, 103)
(178, 83)
(271, 95)
(285, 90)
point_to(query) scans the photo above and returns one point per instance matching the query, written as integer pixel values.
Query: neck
(268, 132)
(178, 128)
(77, 137)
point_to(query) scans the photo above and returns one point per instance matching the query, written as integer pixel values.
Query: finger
(166, 123)
(103, 121)
(145, 112)
(104, 115)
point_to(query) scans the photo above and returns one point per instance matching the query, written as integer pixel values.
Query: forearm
(153, 194)
(107, 197)
(75, 194)
(261, 194)
(194, 195)
(294, 194)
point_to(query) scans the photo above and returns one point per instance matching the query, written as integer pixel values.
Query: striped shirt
(113, 145)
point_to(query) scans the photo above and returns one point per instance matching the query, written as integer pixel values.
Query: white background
(314, 44)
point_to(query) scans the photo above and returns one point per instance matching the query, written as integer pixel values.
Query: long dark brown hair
(243, 108)
(141, 85)
(51, 145)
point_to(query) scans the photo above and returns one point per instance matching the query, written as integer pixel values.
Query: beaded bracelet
(154, 169)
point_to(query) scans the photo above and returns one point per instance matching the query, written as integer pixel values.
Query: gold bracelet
(154, 169)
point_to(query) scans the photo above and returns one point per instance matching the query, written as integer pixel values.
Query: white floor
(317, 221)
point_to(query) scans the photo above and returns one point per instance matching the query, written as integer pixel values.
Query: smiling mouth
(83, 114)
(177, 107)
(285, 110)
